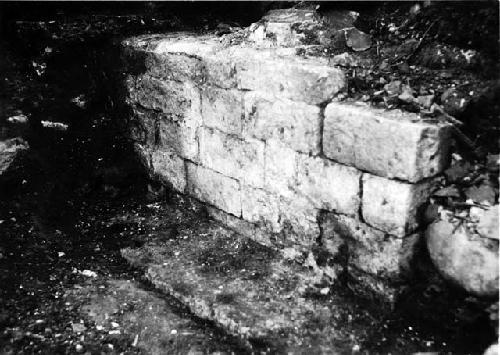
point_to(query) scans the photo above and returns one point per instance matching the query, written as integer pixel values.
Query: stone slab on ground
(153, 324)
(391, 144)
(246, 289)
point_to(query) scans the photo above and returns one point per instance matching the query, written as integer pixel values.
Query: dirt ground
(65, 210)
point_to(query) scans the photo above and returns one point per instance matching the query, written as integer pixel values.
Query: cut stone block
(166, 66)
(143, 126)
(220, 71)
(214, 188)
(231, 156)
(394, 206)
(222, 109)
(242, 227)
(281, 168)
(170, 168)
(290, 78)
(296, 124)
(329, 185)
(260, 206)
(170, 97)
(385, 143)
(299, 222)
(367, 249)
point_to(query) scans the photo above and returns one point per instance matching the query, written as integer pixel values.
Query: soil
(66, 211)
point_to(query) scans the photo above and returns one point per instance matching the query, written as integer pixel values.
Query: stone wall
(257, 135)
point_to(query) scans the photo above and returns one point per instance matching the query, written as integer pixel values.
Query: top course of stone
(390, 144)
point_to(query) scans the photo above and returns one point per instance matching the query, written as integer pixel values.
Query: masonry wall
(257, 135)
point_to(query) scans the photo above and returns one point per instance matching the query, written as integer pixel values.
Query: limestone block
(242, 227)
(329, 185)
(385, 143)
(296, 124)
(169, 168)
(231, 156)
(280, 168)
(367, 249)
(169, 97)
(222, 109)
(179, 117)
(260, 206)
(214, 188)
(220, 71)
(290, 78)
(299, 221)
(165, 66)
(143, 126)
(180, 136)
(393, 206)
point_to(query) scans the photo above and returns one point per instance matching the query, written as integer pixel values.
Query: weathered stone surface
(170, 97)
(290, 78)
(468, 260)
(283, 28)
(10, 150)
(281, 168)
(329, 185)
(144, 316)
(486, 221)
(249, 291)
(222, 109)
(299, 221)
(169, 168)
(393, 206)
(165, 66)
(244, 228)
(262, 207)
(214, 188)
(231, 156)
(143, 126)
(173, 106)
(386, 143)
(367, 249)
(296, 124)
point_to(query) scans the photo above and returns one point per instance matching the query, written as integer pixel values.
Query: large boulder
(464, 257)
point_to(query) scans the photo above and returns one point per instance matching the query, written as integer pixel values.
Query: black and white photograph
(249, 177)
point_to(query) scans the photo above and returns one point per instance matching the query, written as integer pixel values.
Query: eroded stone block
(386, 143)
(393, 206)
(368, 249)
(214, 188)
(231, 156)
(260, 206)
(290, 78)
(143, 126)
(299, 221)
(281, 168)
(165, 66)
(296, 124)
(329, 185)
(169, 168)
(222, 109)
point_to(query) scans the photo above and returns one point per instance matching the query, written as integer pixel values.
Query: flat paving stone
(250, 291)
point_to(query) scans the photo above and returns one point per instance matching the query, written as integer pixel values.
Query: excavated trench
(81, 199)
